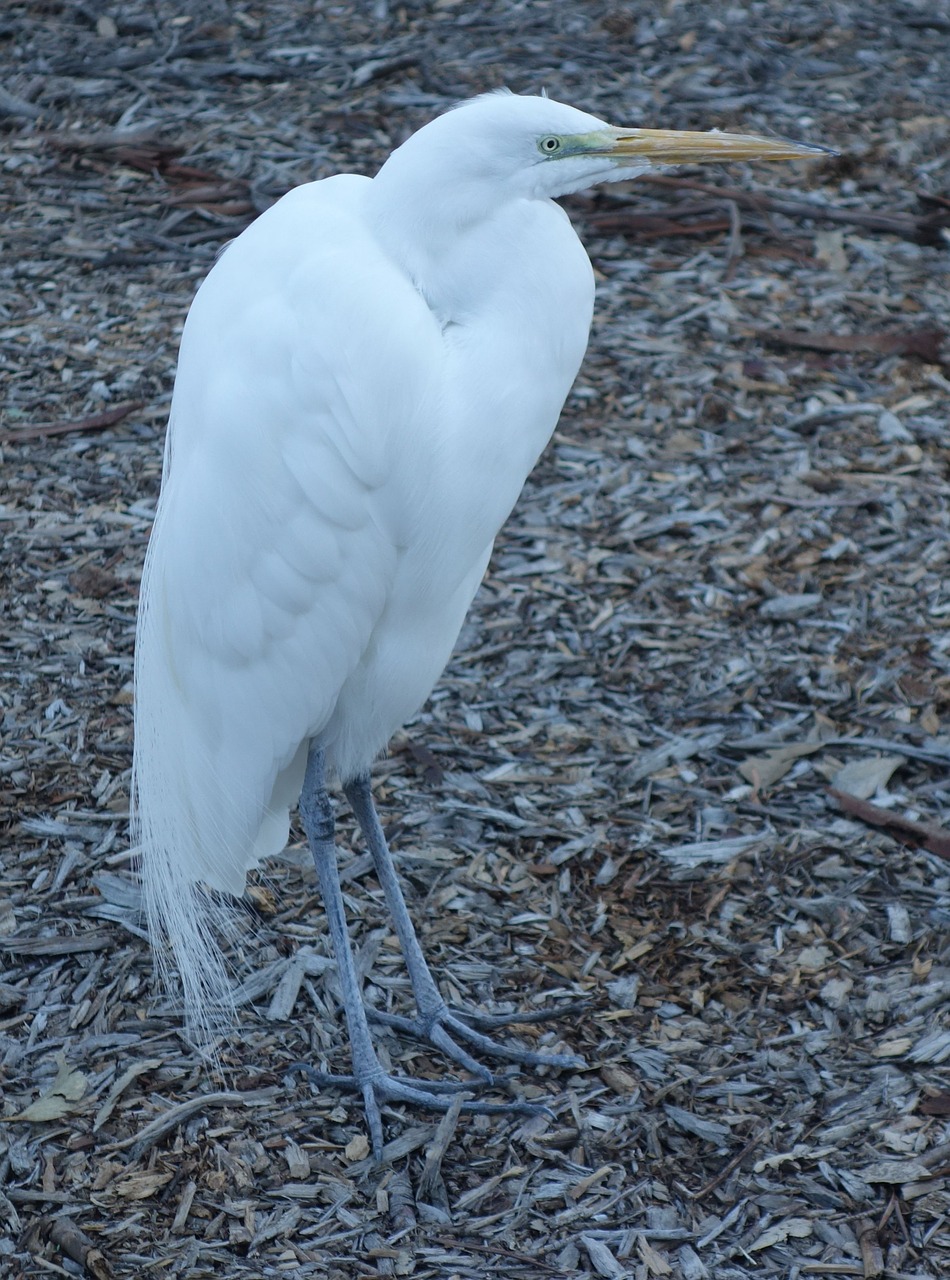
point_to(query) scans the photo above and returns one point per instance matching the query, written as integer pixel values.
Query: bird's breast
(515, 310)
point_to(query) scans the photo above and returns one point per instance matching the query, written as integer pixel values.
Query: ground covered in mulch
(690, 760)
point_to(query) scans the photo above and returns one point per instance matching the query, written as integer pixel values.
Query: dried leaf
(61, 1099)
(357, 1148)
(93, 582)
(582, 1187)
(863, 778)
(97, 422)
(619, 1080)
(422, 756)
(778, 1158)
(765, 770)
(797, 1228)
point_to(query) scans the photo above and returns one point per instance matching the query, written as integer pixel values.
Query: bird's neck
(424, 223)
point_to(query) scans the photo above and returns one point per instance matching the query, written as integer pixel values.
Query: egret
(366, 378)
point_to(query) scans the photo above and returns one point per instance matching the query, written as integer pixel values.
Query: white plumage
(366, 378)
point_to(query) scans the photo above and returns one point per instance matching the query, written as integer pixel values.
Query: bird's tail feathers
(175, 796)
(186, 924)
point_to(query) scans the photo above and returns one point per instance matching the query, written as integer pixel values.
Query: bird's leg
(368, 1077)
(435, 1020)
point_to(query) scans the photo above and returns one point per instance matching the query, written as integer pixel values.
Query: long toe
(435, 1034)
(353, 1084)
(509, 1053)
(552, 1013)
(444, 1028)
(432, 1095)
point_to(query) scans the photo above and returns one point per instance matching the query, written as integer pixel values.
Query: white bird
(366, 378)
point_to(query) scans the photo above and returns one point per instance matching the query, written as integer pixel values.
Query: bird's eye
(548, 146)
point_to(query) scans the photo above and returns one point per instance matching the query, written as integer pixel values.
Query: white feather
(363, 386)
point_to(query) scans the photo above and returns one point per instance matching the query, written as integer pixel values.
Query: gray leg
(435, 1019)
(368, 1077)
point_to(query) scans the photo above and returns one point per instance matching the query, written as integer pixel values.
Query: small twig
(731, 1167)
(77, 1246)
(735, 230)
(934, 839)
(110, 139)
(97, 422)
(936, 754)
(736, 247)
(499, 1251)
(141, 1142)
(922, 342)
(832, 1269)
(829, 412)
(926, 228)
(379, 68)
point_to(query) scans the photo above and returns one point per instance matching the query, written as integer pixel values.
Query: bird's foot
(378, 1087)
(552, 1013)
(443, 1027)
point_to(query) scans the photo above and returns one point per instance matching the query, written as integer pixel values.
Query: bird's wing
(305, 356)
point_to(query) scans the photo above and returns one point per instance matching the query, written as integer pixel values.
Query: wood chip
(725, 582)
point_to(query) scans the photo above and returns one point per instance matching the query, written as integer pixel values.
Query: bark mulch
(690, 761)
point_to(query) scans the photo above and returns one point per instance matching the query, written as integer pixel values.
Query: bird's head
(504, 145)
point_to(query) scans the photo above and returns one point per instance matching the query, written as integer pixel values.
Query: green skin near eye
(576, 144)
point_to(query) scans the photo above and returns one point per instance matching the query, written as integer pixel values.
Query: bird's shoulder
(315, 245)
(306, 307)
(302, 364)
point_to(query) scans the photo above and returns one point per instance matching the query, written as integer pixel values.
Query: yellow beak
(673, 146)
